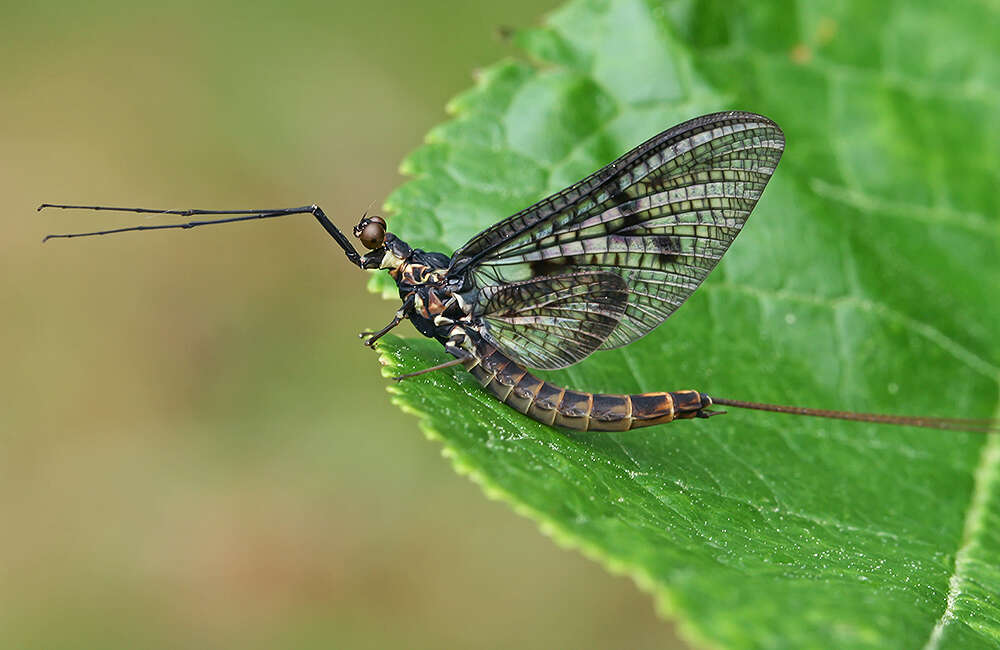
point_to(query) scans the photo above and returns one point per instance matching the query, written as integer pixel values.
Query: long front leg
(402, 313)
(238, 215)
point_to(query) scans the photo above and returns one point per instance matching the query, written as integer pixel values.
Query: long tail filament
(948, 424)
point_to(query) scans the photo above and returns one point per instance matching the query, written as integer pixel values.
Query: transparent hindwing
(553, 321)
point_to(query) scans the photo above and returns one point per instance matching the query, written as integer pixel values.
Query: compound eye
(373, 233)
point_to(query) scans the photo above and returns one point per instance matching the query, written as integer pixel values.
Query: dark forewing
(554, 321)
(660, 217)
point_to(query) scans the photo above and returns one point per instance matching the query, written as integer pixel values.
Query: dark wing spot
(667, 247)
(547, 267)
(618, 197)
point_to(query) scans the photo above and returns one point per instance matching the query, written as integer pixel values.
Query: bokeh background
(196, 449)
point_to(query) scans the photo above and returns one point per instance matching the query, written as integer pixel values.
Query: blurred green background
(197, 450)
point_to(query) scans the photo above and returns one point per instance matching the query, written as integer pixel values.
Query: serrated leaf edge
(665, 604)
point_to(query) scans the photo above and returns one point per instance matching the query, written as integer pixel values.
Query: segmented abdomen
(557, 406)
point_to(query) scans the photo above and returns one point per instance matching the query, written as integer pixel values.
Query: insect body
(593, 267)
(442, 307)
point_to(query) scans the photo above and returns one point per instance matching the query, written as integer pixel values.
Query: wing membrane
(660, 217)
(554, 321)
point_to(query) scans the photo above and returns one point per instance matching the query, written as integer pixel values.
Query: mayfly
(594, 267)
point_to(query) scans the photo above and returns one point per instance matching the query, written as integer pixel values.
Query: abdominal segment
(557, 406)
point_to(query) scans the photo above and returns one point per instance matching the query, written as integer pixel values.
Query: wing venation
(660, 218)
(553, 321)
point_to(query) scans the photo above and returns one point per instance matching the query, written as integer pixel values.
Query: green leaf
(867, 279)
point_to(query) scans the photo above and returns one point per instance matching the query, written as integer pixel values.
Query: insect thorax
(422, 278)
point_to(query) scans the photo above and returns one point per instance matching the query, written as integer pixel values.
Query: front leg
(402, 313)
(231, 216)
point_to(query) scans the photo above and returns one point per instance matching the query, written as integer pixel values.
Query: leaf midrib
(987, 473)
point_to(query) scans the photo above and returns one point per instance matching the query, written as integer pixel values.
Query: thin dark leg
(440, 366)
(402, 313)
(374, 336)
(246, 215)
(451, 347)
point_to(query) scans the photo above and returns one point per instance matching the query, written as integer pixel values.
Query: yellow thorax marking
(390, 261)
